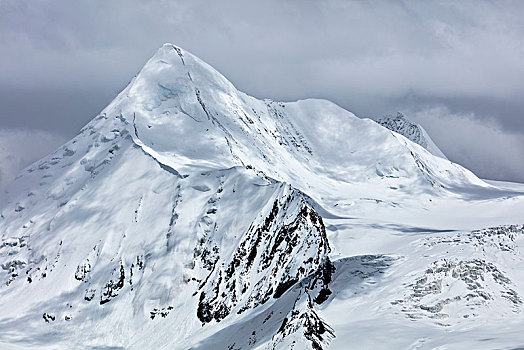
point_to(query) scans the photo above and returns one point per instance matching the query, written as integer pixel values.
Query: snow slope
(191, 215)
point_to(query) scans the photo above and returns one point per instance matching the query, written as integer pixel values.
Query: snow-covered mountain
(191, 215)
(414, 132)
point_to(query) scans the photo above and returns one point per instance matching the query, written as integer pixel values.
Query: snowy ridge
(190, 215)
(414, 132)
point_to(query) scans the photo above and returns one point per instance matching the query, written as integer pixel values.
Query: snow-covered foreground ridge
(191, 215)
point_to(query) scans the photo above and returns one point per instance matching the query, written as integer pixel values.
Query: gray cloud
(468, 140)
(64, 60)
(21, 147)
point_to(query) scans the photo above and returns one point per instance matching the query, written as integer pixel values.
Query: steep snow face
(190, 215)
(414, 132)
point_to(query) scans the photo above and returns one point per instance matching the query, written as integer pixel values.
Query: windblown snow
(191, 215)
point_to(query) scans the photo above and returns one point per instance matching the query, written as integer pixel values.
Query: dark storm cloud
(63, 61)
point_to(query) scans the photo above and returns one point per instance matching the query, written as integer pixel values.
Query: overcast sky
(456, 67)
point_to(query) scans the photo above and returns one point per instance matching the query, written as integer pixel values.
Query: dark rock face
(323, 277)
(288, 244)
(303, 321)
(82, 270)
(48, 317)
(316, 330)
(111, 289)
(163, 312)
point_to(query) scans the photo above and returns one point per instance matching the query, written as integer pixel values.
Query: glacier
(190, 215)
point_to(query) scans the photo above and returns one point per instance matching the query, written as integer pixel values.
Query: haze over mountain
(188, 214)
(453, 67)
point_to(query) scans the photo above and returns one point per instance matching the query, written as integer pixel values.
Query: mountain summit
(188, 114)
(188, 214)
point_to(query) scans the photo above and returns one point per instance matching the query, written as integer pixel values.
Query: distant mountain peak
(414, 132)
